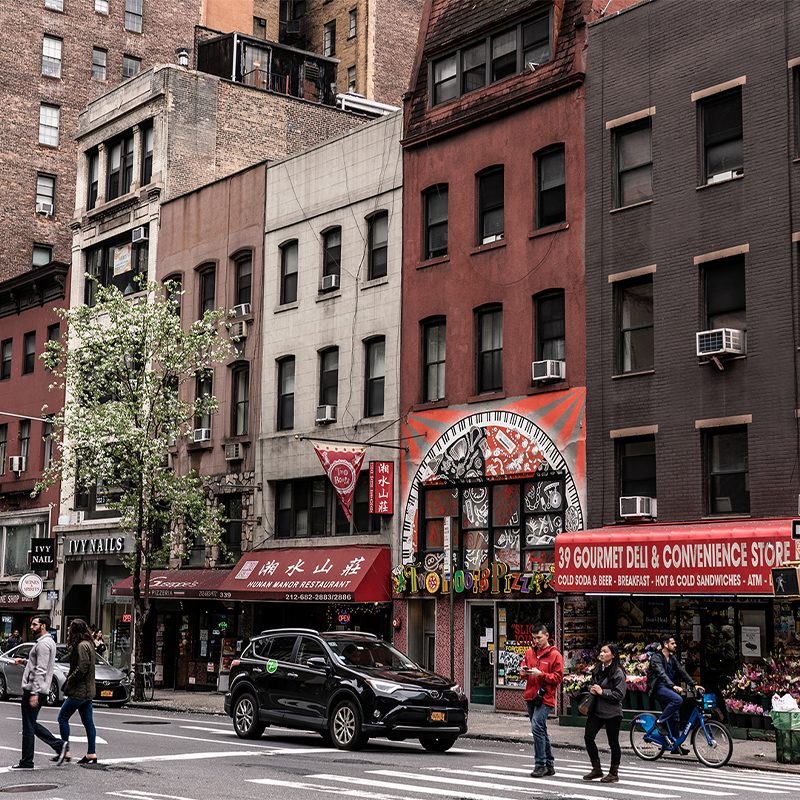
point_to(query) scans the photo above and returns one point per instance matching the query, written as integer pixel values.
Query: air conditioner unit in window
(139, 235)
(45, 209)
(725, 176)
(242, 310)
(721, 341)
(202, 434)
(326, 414)
(76, 517)
(549, 370)
(330, 282)
(637, 506)
(294, 27)
(233, 452)
(238, 330)
(18, 463)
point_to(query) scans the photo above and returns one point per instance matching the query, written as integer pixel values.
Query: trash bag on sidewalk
(787, 736)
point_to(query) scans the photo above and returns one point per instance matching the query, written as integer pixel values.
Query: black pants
(593, 725)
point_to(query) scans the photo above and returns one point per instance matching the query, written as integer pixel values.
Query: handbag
(586, 703)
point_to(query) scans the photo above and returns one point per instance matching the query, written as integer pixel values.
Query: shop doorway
(482, 651)
(422, 632)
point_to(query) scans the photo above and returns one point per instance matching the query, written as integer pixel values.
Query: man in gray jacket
(36, 680)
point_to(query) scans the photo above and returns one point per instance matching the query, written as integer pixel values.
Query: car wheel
(3, 691)
(245, 717)
(439, 744)
(345, 727)
(52, 695)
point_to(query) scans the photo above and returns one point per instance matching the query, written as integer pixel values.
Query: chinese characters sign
(342, 464)
(381, 487)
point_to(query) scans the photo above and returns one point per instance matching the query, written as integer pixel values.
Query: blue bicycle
(711, 741)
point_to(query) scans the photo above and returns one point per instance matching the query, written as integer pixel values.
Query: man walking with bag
(543, 666)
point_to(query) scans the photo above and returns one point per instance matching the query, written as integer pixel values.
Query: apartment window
(302, 509)
(131, 66)
(353, 18)
(203, 388)
(133, 15)
(54, 332)
(634, 163)
(232, 511)
(51, 57)
(286, 394)
(101, 6)
(289, 273)
(332, 252)
(3, 447)
(491, 58)
(54, 5)
(207, 290)
(330, 39)
(433, 360)
(490, 205)
(351, 79)
(29, 353)
(244, 279)
(45, 189)
(173, 287)
(42, 254)
(551, 190)
(93, 178)
(5, 359)
(728, 472)
(635, 314)
(99, 59)
(48, 444)
(119, 263)
(49, 121)
(489, 350)
(378, 240)
(637, 467)
(376, 377)
(550, 326)
(329, 377)
(241, 400)
(147, 155)
(120, 167)
(25, 440)
(435, 210)
(725, 294)
(723, 145)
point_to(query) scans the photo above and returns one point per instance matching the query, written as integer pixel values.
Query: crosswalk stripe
(343, 790)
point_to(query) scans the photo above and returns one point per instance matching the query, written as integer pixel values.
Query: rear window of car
(278, 648)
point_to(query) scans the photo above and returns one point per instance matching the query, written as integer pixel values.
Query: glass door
(481, 655)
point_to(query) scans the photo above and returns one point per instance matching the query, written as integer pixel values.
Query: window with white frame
(491, 211)
(489, 349)
(378, 244)
(434, 352)
(54, 5)
(6, 350)
(46, 189)
(49, 122)
(120, 167)
(375, 377)
(286, 394)
(42, 254)
(48, 444)
(99, 59)
(351, 79)
(241, 400)
(16, 543)
(329, 42)
(332, 252)
(435, 220)
(51, 57)
(329, 376)
(133, 15)
(25, 440)
(289, 272)
(353, 19)
(131, 66)
(101, 6)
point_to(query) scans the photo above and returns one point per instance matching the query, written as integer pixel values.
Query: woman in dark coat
(79, 687)
(607, 687)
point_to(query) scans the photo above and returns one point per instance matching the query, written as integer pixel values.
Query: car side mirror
(318, 662)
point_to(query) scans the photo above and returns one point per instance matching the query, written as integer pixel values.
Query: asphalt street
(161, 755)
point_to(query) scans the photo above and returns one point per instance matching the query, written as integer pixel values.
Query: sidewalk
(500, 726)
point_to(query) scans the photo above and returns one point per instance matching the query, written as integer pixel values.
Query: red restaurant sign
(342, 464)
(724, 558)
(381, 487)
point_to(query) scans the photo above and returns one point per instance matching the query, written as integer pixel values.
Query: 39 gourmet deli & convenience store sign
(721, 558)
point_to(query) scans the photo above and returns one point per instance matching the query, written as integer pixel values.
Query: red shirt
(551, 663)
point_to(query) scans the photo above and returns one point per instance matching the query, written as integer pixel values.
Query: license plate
(437, 716)
(106, 693)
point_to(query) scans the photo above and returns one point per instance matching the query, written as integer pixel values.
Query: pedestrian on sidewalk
(663, 682)
(13, 640)
(79, 688)
(36, 679)
(607, 687)
(543, 666)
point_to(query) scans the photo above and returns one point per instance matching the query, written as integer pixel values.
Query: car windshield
(372, 655)
(62, 657)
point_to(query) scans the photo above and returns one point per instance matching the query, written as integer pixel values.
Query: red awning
(324, 574)
(723, 558)
(195, 584)
(16, 600)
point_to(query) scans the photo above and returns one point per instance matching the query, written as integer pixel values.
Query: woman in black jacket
(607, 688)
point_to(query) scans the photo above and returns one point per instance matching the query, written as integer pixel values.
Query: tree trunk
(141, 602)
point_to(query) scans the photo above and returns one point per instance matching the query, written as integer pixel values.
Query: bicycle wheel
(716, 749)
(641, 728)
(149, 686)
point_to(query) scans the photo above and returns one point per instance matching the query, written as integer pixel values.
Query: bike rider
(663, 683)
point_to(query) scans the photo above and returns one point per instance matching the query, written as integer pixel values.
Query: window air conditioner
(326, 414)
(76, 517)
(233, 452)
(18, 463)
(637, 506)
(45, 209)
(721, 341)
(202, 434)
(139, 235)
(294, 27)
(330, 282)
(725, 176)
(238, 330)
(549, 370)
(242, 310)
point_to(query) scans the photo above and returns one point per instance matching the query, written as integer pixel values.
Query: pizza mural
(540, 437)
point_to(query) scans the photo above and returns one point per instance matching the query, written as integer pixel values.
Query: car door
(270, 674)
(14, 672)
(307, 686)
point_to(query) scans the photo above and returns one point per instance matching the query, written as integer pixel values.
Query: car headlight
(456, 687)
(387, 687)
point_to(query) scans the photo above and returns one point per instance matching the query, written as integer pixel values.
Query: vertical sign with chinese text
(381, 487)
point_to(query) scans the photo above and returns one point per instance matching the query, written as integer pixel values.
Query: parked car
(345, 686)
(113, 686)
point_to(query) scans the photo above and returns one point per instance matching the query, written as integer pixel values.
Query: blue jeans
(32, 727)
(543, 754)
(671, 703)
(84, 708)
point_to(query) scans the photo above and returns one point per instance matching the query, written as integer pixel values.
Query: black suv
(346, 686)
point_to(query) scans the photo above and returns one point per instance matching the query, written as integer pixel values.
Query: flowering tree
(122, 368)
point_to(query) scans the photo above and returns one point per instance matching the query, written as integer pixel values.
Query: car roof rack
(289, 630)
(348, 635)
